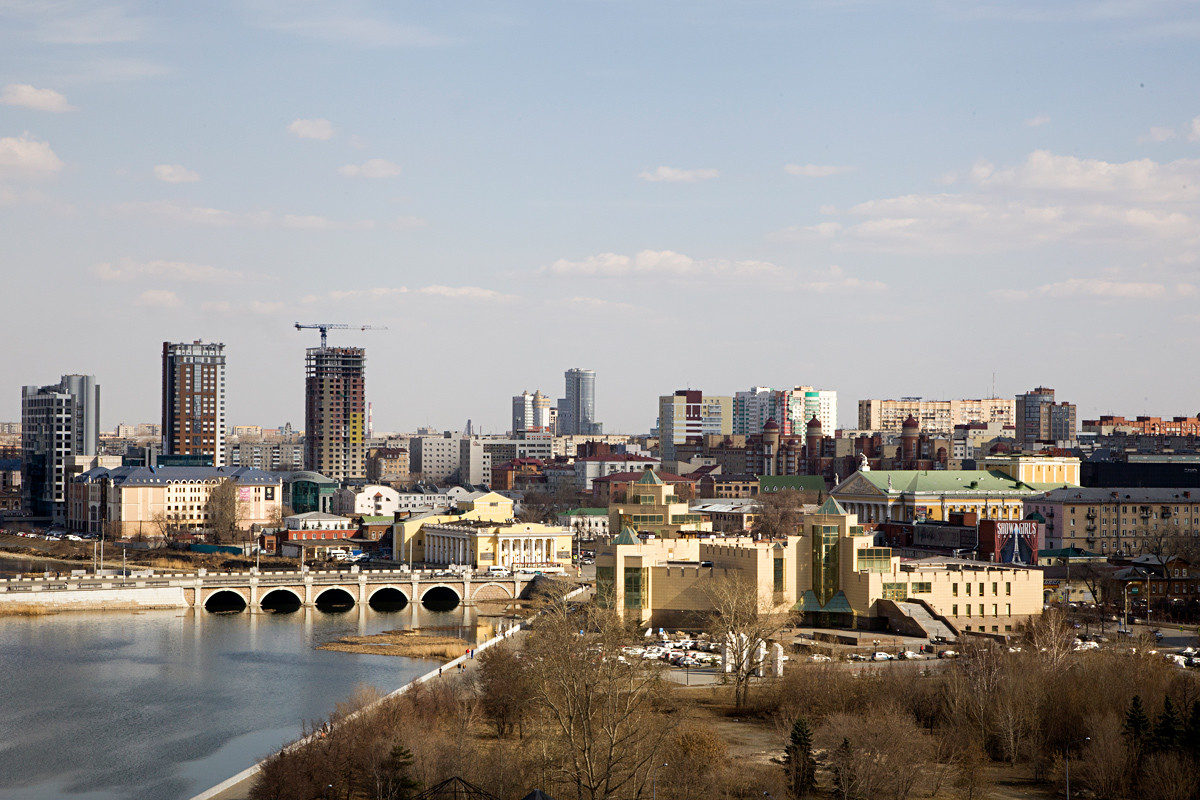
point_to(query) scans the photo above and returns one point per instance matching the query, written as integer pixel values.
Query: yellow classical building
(652, 507)
(833, 575)
(998, 492)
(481, 534)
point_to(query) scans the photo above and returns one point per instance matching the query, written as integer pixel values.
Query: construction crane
(325, 327)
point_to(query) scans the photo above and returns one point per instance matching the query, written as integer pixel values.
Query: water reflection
(167, 703)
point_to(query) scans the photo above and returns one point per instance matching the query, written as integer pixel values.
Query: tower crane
(325, 327)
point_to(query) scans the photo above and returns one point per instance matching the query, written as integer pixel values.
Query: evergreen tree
(798, 760)
(843, 769)
(395, 775)
(1137, 724)
(1168, 729)
(1189, 742)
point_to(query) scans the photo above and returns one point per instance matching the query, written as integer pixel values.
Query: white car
(882, 657)
(819, 658)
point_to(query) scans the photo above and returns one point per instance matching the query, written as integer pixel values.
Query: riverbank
(407, 644)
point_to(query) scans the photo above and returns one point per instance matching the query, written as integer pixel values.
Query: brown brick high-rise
(335, 412)
(193, 400)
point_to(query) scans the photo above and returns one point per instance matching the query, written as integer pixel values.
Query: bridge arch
(334, 598)
(388, 598)
(226, 600)
(491, 591)
(281, 599)
(441, 597)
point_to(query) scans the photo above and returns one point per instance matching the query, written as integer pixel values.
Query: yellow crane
(325, 327)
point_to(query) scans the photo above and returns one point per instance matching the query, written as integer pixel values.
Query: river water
(164, 704)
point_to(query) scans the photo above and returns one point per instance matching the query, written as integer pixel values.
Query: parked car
(819, 658)
(882, 656)
(947, 654)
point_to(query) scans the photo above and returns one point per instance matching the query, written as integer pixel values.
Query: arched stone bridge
(222, 591)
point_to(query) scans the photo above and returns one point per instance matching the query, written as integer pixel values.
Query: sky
(937, 199)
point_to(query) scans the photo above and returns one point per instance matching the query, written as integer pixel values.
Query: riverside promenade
(238, 786)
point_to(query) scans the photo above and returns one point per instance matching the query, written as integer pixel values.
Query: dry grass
(23, 610)
(409, 644)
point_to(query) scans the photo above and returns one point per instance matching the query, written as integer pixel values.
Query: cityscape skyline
(809, 192)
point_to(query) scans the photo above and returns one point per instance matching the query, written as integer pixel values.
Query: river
(164, 704)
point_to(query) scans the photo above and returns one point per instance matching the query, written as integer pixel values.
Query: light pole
(1067, 761)
(654, 783)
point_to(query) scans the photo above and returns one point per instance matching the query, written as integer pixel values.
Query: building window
(922, 587)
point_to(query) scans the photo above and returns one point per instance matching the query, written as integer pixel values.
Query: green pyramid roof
(649, 477)
(627, 536)
(832, 507)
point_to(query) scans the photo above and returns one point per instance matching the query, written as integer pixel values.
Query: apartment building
(335, 412)
(58, 423)
(193, 400)
(689, 413)
(1118, 521)
(934, 416)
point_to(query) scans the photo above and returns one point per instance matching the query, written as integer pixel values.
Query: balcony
(1091, 527)
(1091, 514)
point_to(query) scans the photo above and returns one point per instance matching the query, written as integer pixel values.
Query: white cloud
(409, 223)
(25, 156)
(658, 262)
(815, 170)
(1194, 130)
(321, 129)
(158, 298)
(375, 168)
(344, 28)
(217, 217)
(127, 269)
(1038, 121)
(1100, 289)
(597, 304)
(175, 173)
(1045, 199)
(1158, 135)
(836, 280)
(435, 290)
(26, 96)
(673, 175)
(86, 22)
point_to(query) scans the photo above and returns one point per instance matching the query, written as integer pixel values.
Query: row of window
(995, 610)
(995, 588)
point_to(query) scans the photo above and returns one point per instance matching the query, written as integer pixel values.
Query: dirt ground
(761, 741)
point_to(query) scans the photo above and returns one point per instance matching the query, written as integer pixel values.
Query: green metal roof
(648, 477)
(768, 484)
(832, 507)
(966, 482)
(627, 536)
(378, 520)
(587, 512)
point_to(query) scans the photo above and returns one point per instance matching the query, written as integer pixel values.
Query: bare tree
(744, 618)
(601, 735)
(778, 514)
(225, 512)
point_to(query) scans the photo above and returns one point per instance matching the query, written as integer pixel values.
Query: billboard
(1016, 542)
(245, 494)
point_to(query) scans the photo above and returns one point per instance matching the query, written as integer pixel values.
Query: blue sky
(882, 198)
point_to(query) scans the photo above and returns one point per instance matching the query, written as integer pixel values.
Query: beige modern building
(652, 506)
(831, 575)
(151, 502)
(935, 416)
(689, 413)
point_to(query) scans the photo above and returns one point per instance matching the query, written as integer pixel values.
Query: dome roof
(771, 425)
(911, 422)
(814, 422)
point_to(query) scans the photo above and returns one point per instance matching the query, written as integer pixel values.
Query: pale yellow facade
(832, 575)
(483, 534)
(1056, 470)
(652, 507)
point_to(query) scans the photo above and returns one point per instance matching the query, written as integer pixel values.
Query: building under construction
(335, 412)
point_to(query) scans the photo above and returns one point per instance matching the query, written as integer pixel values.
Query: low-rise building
(652, 506)
(833, 575)
(372, 499)
(586, 523)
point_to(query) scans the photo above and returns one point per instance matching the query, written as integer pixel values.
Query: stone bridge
(265, 591)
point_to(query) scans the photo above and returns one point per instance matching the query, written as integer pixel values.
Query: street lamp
(654, 783)
(1067, 761)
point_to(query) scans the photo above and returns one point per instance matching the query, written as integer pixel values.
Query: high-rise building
(58, 422)
(790, 408)
(335, 412)
(530, 412)
(934, 416)
(193, 400)
(577, 410)
(689, 413)
(1040, 419)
